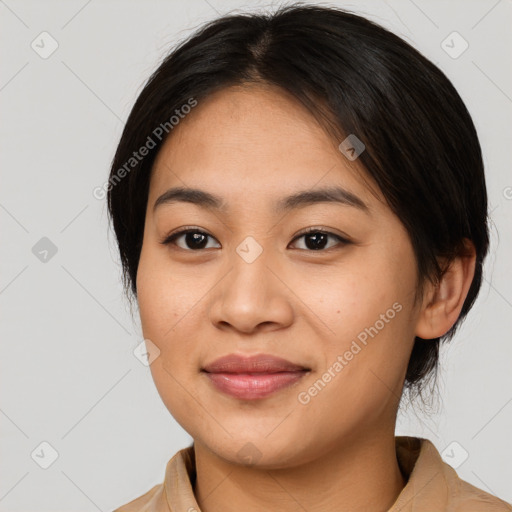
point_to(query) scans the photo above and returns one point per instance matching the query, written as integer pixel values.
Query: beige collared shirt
(432, 486)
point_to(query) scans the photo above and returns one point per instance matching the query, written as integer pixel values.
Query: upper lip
(261, 363)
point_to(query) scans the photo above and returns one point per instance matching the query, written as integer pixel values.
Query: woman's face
(254, 284)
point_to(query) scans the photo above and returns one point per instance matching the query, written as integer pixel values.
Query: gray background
(68, 373)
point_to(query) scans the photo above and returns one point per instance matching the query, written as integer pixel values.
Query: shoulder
(176, 489)
(465, 497)
(471, 499)
(145, 503)
(435, 485)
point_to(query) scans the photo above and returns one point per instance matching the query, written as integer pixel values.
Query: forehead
(257, 141)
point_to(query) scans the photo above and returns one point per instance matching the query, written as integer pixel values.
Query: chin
(259, 451)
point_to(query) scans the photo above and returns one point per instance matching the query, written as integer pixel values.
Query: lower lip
(247, 386)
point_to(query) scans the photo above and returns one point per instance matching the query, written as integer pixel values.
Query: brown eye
(317, 240)
(193, 239)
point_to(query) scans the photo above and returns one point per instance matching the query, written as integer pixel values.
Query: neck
(360, 476)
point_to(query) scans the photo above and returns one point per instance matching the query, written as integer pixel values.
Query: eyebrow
(297, 200)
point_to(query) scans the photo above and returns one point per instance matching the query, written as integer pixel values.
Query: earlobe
(443, 302)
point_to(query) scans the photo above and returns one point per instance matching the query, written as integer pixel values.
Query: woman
(300, 207)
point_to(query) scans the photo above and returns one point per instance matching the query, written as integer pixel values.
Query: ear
(443, 302)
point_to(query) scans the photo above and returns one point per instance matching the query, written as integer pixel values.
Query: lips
(253, 377)
(262, 363)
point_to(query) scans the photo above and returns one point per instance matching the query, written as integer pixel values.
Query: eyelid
(169, 238)
(343, 240)
(322, 229)
(183, 230)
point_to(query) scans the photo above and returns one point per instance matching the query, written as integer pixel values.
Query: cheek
(162, 293)
(368, 308)
(164, 312)
(171, 315)
(353, 298)
(364, 361)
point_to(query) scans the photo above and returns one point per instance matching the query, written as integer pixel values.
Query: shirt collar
(428, 478)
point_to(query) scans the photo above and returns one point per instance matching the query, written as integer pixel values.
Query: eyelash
(170, 239)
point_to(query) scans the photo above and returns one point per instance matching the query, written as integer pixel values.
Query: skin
(253, 145)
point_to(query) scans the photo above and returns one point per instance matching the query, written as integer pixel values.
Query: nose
(252, 297)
